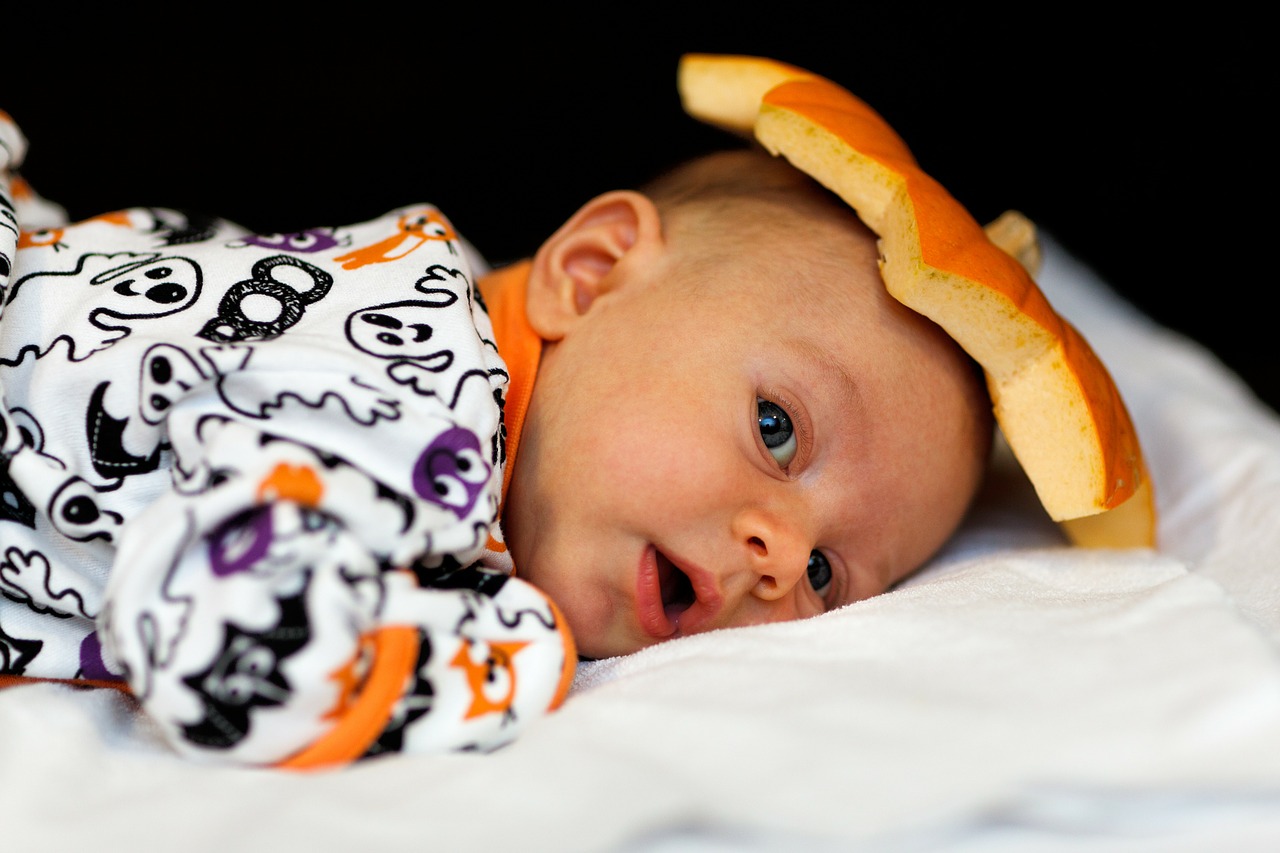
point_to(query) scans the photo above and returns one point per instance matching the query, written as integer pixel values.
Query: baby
(315, 497)
(733, 422)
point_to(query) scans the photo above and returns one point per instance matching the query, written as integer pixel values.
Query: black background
(1138, 143)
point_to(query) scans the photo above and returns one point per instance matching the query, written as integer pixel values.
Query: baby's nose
(775, 549)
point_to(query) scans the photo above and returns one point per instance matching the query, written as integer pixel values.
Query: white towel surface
(1019, 694)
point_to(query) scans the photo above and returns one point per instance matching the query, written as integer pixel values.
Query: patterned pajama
(255, 479)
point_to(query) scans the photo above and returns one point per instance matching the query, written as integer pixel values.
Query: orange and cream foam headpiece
(1053, 399)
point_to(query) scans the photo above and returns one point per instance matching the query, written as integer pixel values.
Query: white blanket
(1018, 695)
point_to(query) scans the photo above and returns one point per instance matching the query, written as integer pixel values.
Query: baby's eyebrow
(831, 372)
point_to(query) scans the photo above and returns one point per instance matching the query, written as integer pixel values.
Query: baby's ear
(578, 263)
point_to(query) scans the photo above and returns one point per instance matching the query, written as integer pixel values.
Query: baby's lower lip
(649, 609)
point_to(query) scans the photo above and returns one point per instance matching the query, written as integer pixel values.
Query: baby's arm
(256, 627)
(272, 605)
(289, 585)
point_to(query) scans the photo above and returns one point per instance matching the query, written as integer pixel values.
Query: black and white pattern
(221, 456)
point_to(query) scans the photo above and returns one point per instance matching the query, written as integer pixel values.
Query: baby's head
(733, 421)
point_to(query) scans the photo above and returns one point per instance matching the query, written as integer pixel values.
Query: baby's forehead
(794, 253)
(825, 266)
(825, 311)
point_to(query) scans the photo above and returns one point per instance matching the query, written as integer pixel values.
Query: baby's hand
(495, 654)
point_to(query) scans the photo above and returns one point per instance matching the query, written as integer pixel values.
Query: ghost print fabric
(255, 479)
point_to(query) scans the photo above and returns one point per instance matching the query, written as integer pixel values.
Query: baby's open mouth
(675, 598)
(676, 589)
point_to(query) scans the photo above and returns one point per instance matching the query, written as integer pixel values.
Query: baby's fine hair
(734, 201)
(719, 178)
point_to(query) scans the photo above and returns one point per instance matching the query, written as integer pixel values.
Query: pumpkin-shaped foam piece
(1054, 401)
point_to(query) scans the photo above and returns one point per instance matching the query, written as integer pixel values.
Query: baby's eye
(776, 430)
(819, 572)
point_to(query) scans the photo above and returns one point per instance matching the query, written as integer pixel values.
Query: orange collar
(503, 291)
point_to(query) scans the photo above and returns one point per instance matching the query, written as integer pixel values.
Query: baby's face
(757, 442)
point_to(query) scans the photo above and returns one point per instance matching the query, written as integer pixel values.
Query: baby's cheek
(677, 483)
(635, 468)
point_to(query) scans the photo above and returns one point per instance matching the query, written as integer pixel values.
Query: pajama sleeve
(257, 476)
(306, 590)
(259, 629)
(264, 632)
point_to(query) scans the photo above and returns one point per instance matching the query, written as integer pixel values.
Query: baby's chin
(588, 617)
(596, 644)
(596, 639)
(605, 651)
